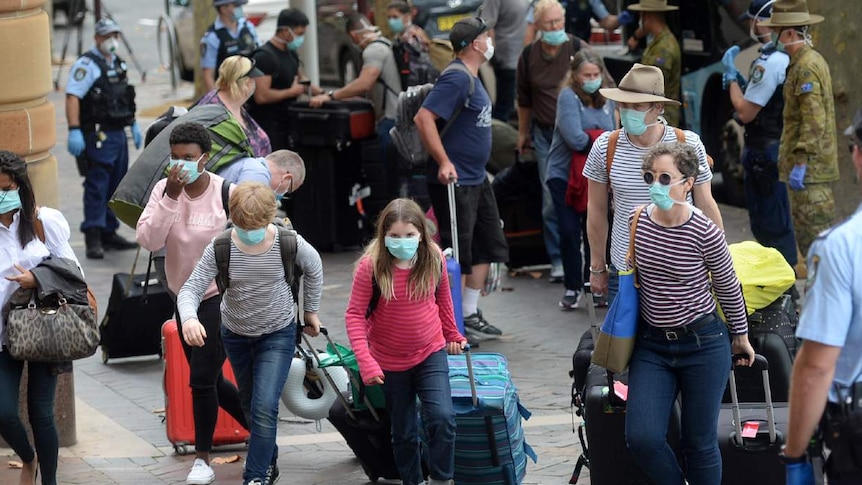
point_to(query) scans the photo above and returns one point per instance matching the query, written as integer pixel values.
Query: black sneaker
(477, 324)
(272, 474)
(570, 302)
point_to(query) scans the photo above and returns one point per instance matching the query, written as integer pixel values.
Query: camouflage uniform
(809, 138)
(663, 53)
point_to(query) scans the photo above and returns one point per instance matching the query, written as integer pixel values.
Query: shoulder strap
(287, 245)
(613, 139)
(525, 58)
(680, 135)
(375, 296)
(225, 197)
(630, 256)
(38, 227)
(221, 247)
(457, 66)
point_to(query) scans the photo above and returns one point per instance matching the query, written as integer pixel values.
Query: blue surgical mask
(592, 85)
(396, 25)
(633, 121)
(297, 41)
(190, 167)
(251, 236)
(9, 200)
(403, 248)
(660, 195)
(238, 14)
(554, 37)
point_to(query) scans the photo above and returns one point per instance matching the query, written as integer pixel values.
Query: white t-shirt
(627, 184)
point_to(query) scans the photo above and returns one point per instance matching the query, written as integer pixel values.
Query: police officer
(827, 373)
(759, 108)
(807, 155)
(231, 34)
(100, 104)
(662, 51)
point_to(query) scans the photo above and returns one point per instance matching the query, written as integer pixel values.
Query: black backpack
(414, 65)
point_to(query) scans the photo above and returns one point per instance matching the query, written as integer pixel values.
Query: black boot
(112, 240)
(93, 241)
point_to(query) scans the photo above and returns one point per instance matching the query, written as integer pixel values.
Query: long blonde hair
(232, 76)
(427, 268)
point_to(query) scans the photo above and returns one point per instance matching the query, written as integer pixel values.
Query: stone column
(28, 128)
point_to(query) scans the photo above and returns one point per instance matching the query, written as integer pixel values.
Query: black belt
(545, 127)
(674, 333)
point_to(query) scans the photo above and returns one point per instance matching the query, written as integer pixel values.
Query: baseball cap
(755, 7)
(855, 130)
(465, 31)
(106, 27)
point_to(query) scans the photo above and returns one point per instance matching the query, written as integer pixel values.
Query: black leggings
(209, 387)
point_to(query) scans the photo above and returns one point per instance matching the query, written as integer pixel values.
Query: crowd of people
(599, 183)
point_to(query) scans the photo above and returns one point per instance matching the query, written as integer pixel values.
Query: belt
(674, 333)
(544, 127)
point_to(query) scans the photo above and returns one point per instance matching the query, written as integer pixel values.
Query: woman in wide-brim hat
(642, 85)
(652, 6)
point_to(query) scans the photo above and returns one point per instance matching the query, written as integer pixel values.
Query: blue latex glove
(626, 18)
(727, 60)
(797, 175)
(76, 143)
(800, 474)
(136, 135)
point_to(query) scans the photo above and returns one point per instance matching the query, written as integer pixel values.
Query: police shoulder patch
(811, 268)
(203, 49)
(659, 61)
(806, 87)
(80, 74)
(757, 73)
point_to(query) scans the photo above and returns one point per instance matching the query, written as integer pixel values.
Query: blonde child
(403, 343)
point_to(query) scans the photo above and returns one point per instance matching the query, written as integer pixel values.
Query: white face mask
(489, 53)
(109, 46)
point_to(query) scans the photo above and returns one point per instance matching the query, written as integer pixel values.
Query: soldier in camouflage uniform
(662, 51)
(807, 156)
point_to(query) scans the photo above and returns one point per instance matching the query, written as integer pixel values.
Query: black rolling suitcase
(137, 308)
(369, 438)
(752, 459)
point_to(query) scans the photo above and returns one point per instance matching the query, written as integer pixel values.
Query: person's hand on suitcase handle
(455, 348)
(194, 332)
(447, 174)
(743, 352)
(312, 326)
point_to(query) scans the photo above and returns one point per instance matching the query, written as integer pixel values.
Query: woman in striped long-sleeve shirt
(682, 345)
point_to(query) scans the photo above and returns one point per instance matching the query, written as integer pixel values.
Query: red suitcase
(179, 420)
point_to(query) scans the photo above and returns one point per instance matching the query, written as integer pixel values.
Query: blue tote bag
(616, 339)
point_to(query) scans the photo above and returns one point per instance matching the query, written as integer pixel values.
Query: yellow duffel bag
(763, 272)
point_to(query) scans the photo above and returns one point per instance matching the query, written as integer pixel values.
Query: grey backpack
(405, 135)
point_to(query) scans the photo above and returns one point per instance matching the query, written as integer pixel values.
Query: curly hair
(191, 132)
(15, 168)
(684, 158)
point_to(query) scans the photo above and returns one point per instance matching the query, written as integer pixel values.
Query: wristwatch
(331, 94)
(788, 460)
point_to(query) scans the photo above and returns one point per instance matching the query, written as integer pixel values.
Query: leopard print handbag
(50, 329)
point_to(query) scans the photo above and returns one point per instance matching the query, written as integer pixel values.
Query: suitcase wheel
(181, 450)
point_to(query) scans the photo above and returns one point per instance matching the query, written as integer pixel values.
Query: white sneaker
(201, 474)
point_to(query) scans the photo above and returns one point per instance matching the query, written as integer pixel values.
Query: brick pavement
(121, 435)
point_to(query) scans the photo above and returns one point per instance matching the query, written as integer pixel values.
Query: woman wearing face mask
(258, 327)
(184, 213)
(234, 86)
(23, 248)
(582, 115)
(682, 345)
(402, 344)
(400, 18)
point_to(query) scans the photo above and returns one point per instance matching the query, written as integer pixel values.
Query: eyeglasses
(664, 178)
(852, 145)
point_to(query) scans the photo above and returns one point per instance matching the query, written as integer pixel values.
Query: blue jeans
(41, 386)
(573, 230)
(697, 365)
(429, 380)
(107, 167)
(261, 365)
(505, 102)
(542, 145)
(768, 202)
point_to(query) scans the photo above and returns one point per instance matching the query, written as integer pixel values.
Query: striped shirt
(626, 181)
(674, 266)
(258, 300)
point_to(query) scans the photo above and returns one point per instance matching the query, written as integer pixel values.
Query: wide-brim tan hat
(652, 6)
(791, 13)
(642, 84)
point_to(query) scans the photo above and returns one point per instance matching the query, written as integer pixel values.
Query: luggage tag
(621, 390)
(749, 429)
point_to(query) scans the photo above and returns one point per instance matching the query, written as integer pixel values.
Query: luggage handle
(326, 372)
(353, 379)
(471, 376)
(591, 310)
(313, 116)
(760, 363)
(453, 219)
(489, 425)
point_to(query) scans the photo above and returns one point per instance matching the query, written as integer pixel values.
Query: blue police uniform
(578, 15)
(766, 197)
(219, 42)
(106, 107)
(832, 311)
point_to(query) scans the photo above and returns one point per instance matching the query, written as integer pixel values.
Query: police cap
(219, 3)
(855, 130)
(106, 27)
(756, 9)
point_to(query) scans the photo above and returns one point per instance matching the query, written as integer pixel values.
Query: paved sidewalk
(119, 405)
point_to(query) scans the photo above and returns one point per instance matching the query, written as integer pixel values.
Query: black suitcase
(336, 124)
(137, 308)
(772, 333)
(755, 459)
(370, 439)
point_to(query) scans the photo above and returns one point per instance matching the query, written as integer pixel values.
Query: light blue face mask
(554, 37)
(403, 248)
(633, 121)
(592, 85)
(297, 41)
(251, 236)
(660, 195)
(238, 13)
(189, 167)
(9, 200)
(396, 25)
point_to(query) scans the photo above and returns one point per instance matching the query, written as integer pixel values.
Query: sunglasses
(852, 145)
(253, 62)
(664, 178)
